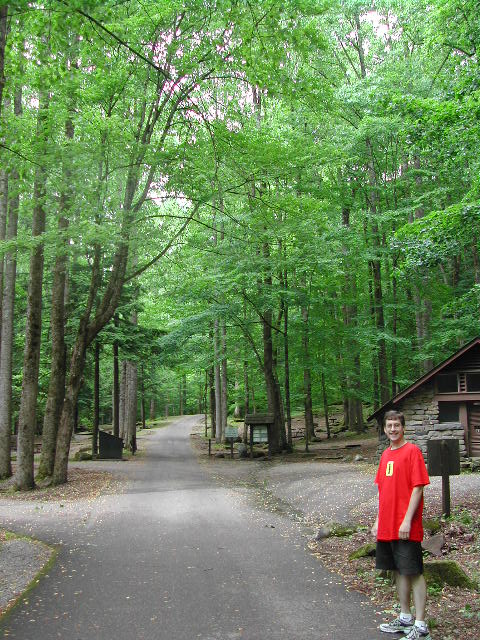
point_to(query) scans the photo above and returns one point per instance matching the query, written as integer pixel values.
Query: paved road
(177, 557)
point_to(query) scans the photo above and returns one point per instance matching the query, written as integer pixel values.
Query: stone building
(443, 403)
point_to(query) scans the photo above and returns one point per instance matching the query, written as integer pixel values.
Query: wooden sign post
(444, 460)
(231, 433)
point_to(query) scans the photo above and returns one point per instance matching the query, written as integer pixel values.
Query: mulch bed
(83, 484)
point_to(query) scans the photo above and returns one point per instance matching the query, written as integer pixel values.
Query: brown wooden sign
(443, 457)
(444, 460)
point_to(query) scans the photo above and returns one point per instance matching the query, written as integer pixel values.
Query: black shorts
(404, 556)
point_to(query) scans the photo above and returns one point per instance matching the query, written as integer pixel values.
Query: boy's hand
(374, 529)
(404, 531)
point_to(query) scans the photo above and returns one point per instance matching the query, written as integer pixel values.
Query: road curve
(178, 557)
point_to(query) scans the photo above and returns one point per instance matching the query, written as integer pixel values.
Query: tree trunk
(116, 387)
(142, 397)
(277, 430)
(122, 402)
(3, 226)
(67, 419)
(224, 380)
(237, 413)
(287, 367)
(246, 401)
(211, 386)
(131, 406)
(96, 399)
(151, 412)
(307, 380)
(218, 384)
(375, 390)
(6, 340)
(184, 392)
(3, 42)
(325, 405)
(24, 478)
(56, 388)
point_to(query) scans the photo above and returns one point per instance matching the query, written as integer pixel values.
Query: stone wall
(421, 422)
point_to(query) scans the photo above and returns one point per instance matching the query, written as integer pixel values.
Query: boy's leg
(404, 589)
(419, 589)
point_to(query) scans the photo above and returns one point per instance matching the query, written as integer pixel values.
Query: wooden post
(445, 481)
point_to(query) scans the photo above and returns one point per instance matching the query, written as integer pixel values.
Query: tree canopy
(230, 206)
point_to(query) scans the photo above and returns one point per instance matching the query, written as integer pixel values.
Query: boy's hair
(393, 414)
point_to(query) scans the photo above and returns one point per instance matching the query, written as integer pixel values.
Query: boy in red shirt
(398, 529)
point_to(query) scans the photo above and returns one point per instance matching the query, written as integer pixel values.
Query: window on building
(448, 412)
(447, 383)
(473, 381)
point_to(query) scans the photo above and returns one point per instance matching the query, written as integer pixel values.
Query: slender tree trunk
(131, 406)
(3, 42)
(116, 386)
(184, 392)
(218, 384)
(307, 381)
(96, 399)
(246, 400)
(325, 405)
(380, 324)
(277, 430)
(211, 387)
(3, 227)
(131, 398)
(142, 396)
(307, 377)
(122, 402)
(180, 397)
(287, 363)
(375, 390)
(224, 380)
(67, 418)
(24, 476)
(3, 173)
(237, 413)
(151, 413)
(6, 340)
(382, 371)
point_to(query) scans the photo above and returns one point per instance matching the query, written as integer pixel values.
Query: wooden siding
(474, 429)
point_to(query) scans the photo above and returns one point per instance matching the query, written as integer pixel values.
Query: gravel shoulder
(22, 560)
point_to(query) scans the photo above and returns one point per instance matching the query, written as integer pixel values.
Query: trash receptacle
(110, 446)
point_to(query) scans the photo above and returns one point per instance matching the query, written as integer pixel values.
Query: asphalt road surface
(177, 556)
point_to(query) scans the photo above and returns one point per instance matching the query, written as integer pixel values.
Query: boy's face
(394, 431)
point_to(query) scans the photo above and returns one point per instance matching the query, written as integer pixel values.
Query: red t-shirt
(399, 471)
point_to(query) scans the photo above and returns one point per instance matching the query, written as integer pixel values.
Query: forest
(232, 207)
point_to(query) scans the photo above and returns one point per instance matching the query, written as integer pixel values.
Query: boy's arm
(374, 527)
(415, 498)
